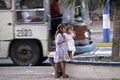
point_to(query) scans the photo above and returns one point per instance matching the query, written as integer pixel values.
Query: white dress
(70, 42)
(61, 53)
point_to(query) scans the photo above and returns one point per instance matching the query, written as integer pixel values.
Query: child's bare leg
(70, 54)
(56, 70)
(62, 65)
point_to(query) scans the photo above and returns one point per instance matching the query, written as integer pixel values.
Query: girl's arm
(64, 40)
(58, 39)
(74, 34)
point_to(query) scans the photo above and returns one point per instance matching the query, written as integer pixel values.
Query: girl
(69, 36)
(61, 54)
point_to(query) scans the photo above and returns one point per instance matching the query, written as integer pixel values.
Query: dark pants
(54, 23)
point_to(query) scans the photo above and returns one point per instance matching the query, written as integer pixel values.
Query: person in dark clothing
(2, 5)
(56, 16)
(55, 9)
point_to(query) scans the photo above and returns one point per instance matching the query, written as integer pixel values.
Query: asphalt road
(8, 71)
(41, 72)
(98, 37)
(97, 31)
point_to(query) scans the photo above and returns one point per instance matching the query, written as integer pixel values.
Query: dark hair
(60, 26)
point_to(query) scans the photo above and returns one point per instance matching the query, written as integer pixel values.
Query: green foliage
(94, 3)
(67, 2)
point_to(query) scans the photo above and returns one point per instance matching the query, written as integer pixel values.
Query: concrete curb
(103, 44)
(94, 70)
(99, 31)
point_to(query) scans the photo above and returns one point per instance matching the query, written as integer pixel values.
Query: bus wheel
(25, 52)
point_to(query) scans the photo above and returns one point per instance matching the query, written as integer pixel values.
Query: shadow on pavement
(9, 63)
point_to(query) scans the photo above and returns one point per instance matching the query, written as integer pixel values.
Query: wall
(93, 72)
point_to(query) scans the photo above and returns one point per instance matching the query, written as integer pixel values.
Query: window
(5, 4)
(30, 16)
(30, 4)
(29, 11)
(78, 16)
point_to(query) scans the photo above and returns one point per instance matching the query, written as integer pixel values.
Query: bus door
(6, 20)
(6, 26)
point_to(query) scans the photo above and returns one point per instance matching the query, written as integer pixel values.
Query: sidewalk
(29, 73)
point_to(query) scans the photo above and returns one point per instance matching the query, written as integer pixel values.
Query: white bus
(24, 41)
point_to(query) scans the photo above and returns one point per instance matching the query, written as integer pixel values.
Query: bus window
(30, 16)
(29, 11)
(5, 4)
(31, 4)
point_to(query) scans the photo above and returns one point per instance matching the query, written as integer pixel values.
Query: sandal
(65, 76)
(57, 76)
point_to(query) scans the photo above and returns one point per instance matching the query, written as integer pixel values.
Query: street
(8, 71)
(97, 31)
(30, 73)
(43, 71)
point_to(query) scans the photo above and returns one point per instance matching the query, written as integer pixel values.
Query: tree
(116, 30)
(67, 2)
(90, 2)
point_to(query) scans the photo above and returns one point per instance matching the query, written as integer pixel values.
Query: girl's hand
(74, 34)
(64, 40)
